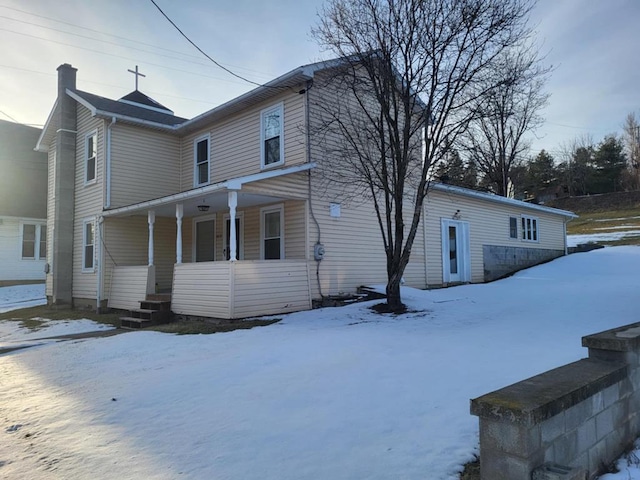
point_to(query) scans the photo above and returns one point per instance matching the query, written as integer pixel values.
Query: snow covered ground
(337, 393)
(21, 296)
(573, 240)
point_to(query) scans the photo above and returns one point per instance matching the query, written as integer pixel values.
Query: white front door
(456, 251)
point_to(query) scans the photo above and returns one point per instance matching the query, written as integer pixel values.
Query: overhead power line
(231, 72)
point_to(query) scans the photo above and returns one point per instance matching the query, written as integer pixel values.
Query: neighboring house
(142, 201)
(23, 205)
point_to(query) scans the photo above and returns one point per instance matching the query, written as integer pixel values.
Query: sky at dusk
(593, 45)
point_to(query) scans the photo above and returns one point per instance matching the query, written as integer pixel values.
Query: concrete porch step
(159, 297)
(134, 323)
(157, 305)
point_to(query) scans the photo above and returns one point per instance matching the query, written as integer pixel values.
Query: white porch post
(151, 217)
(233, 203)
(179, 214)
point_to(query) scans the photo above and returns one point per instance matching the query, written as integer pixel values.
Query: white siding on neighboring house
(12, 265)
(235, 142)
(144, 164)
(488, 225)
(88, 202)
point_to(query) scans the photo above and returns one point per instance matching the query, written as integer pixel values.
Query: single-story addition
(224, 211)
(23, 205)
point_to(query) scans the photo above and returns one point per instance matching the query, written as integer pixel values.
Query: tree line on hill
(582, 167)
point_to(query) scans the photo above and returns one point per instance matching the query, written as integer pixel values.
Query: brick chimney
(65, 167)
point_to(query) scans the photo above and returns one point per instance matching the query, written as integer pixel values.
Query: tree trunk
(393, 294)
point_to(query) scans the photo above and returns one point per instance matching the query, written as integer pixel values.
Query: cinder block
(506, 467)
(554, 471)
(509, 438)
(587, 435)
(597, 456)
(553, 428)
(604, 423)
(611, 395)
(566, 448)
(578, 414)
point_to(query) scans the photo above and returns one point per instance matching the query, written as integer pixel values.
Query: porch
(212, 266)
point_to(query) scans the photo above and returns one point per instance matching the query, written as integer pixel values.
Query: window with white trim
(88, 241)
(90, 157)
(201, 161)
(513, 227)
(34, 241)
(271, 142)
(272, 233)
(529, 229)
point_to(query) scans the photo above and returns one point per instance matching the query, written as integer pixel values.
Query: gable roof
(490, 197)
(105, 107)
(139, 98)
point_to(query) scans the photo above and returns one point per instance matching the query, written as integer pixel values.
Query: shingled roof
(136, 106)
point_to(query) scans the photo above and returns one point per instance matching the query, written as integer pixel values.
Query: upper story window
(34, 241)
(201, 161)
(271, 138)
(529, 229)
(90, 157)
(513, 227)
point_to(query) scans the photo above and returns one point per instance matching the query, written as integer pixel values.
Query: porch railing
(130, 285)
(240, 289)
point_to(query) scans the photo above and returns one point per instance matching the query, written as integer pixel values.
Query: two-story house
(224, 211)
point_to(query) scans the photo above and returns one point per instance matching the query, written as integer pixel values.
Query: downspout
(98, 243)
(313, 216)
(424, 244)
(108, 164)
(564, 229)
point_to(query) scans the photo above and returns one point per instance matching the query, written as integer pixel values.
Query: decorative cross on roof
(137, 74)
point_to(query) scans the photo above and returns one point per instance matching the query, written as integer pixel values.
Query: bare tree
(407, 67)
(496, 139)
(631, 139)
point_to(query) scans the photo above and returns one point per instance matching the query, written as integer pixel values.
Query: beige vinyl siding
(235, 142)
(270, 287)
(240, 289)
(294, 185)
(51, 178)
(130, 286)
(88, 201)
(144, 165)
(127, 241)
(354, 251)
(201, 289)
(488, 225)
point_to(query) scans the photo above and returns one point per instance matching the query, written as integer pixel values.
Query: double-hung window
(272, 229)
(34, 241)
(201, 161)
(513, 227)
(529, 229)
(271, 137)
(91, 157)
(88, 243)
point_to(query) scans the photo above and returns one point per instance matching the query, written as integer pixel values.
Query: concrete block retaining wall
(500, 261)
(580, 416)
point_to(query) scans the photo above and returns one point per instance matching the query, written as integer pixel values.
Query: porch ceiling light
(203, 207)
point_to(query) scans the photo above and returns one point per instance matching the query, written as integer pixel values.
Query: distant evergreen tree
(609, 161)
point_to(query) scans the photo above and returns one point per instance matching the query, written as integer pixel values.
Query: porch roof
(213, 195)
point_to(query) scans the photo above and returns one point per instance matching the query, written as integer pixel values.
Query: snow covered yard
(338, 393)
(21, 296)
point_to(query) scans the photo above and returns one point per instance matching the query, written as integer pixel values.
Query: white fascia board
(236, 183)
(498, 199)
(82, 102)
(39, 146)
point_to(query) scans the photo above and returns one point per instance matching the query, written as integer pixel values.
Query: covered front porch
(212, 266)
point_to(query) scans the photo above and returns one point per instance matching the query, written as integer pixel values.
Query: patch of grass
(185, 327)
(594, 222)
(32, 315)
(471, 470)
(33, 324)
